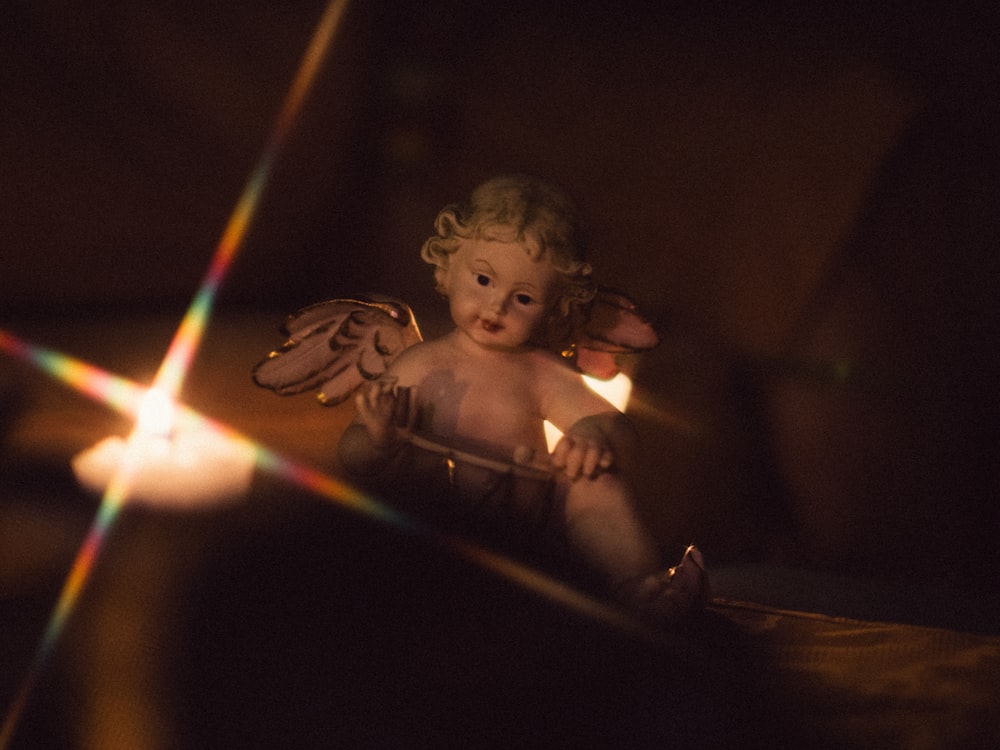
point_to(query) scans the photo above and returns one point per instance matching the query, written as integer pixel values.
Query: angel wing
(614, 326)
(335, 346)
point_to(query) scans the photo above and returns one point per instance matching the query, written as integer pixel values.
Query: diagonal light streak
(94, 383)
(82, 376)
(80, 570)
(120, 393)
(176, 364)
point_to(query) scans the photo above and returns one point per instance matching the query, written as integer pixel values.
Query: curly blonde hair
(516, 208)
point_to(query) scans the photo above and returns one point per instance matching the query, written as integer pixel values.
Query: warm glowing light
(121, 394)
(176, 364)
(184, 346)
(328, 487)
(156, 414)
(190, 470)
(617, 390)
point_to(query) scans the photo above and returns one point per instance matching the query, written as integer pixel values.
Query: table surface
(855, 680)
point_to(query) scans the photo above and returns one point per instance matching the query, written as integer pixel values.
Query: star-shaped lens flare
(170, 377)
(129, 397)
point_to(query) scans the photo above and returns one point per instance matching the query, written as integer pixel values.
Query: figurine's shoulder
(421, 357)
(542, 362)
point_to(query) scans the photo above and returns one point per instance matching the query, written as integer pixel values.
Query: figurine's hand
(385, 410)
(584, 451)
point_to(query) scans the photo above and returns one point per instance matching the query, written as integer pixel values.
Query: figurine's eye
(482, 279)
(524, 299)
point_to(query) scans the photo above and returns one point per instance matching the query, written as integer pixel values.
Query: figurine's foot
(681, 591)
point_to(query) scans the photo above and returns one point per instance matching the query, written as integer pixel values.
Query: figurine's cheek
(480, 294)
(529, 318)
(463, 307)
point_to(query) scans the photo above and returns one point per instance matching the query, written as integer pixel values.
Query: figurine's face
(498, 295)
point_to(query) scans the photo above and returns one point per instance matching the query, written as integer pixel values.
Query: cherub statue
(462, 415)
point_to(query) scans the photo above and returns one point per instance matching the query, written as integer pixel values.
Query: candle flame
(124, 396)
(617, 390)
(156, 414)
(157, 403)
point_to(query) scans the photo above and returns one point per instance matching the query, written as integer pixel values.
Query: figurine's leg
(603, 527)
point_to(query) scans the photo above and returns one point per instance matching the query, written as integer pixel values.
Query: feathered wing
(614, 326)
(335, 346)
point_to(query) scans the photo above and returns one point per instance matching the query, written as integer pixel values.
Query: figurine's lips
(491, 326)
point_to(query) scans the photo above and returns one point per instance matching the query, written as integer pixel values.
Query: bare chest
(494, 405)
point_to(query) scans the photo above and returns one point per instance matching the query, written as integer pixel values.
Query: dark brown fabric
(878, 685)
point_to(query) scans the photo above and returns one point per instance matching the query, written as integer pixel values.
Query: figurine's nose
(498, 303)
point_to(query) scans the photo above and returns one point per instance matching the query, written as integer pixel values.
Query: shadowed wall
(782, 192)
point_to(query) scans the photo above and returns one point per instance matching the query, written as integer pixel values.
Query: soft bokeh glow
(189, 470)
(180, 354)
(346, 495)
(170, 377)
(121, 394)
(156, 414)
(83, 377)
(617, 390)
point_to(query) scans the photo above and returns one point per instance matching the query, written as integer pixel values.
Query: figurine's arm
(383, 412)
(595, 444)
(596, 436)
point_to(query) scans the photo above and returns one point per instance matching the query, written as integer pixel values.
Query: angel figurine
(461, 416)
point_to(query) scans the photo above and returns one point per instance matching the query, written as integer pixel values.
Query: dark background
(786, 192)
(804, 198)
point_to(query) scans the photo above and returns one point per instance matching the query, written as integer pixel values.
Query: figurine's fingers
(385, 399)
(365, 400)
(558, 454)
(384, 390)
(591, 461)
(367, 414)
(574, 461)
(360, 401)
(375, 403)
(412, 409)
(605, 459)
(401, 407)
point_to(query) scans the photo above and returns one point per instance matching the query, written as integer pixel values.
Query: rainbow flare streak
(120, 393)
(180, 354)
(125, 396)
(87, 378)
(177, 362)
(67, 370)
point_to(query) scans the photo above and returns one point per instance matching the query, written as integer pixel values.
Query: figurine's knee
(604, 492)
